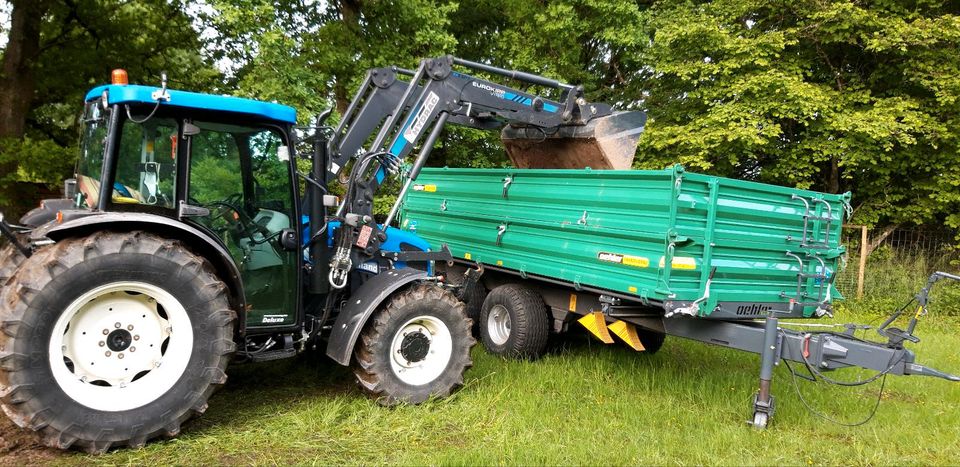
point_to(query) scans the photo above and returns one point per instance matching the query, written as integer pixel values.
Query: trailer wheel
(514, 322)
(651, 340)
(111, 340)
(416, 346)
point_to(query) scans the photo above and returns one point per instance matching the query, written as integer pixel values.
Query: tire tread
(41, 269)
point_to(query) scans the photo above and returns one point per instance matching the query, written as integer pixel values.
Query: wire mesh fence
(888, 268)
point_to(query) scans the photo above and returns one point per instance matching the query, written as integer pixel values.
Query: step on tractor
(189, 239)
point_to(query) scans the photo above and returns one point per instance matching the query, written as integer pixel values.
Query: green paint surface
(654, 235)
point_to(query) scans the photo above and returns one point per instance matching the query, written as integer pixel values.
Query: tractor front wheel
(416, 346)
(112, 340)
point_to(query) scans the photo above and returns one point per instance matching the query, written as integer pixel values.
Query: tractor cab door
(240, 174)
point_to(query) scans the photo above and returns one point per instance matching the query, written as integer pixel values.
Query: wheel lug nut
(120, 356)
(130, 328)
(132, 349)
(136, 337)
(102, 343)
(108, 353)
(116, 325)
(106, 331)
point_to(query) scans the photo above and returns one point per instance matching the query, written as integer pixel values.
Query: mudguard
(46, 212)
(192, 236)
(361, 305)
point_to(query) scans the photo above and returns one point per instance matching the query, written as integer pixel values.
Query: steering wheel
(239, 223)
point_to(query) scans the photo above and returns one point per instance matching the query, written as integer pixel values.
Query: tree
(57, 50)
(313, 55)
(831, 96)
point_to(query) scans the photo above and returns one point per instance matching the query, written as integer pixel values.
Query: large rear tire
(416, 346)
(10, 260)
(473, 297)
(514, 322)
(112, 340)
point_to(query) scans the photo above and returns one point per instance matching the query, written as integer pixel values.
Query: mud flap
(361, 305)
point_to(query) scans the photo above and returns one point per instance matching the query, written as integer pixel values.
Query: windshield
(146, 159)
(93, 140)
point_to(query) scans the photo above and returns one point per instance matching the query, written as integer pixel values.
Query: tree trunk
(17, 79)
(833, 182)
(16, 95)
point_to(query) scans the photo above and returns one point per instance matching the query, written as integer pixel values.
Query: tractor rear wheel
(514, 322)
(473, 297)
(10, 259)
(112, 340)
(416, 346)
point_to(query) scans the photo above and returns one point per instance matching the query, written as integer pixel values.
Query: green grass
(585, 403)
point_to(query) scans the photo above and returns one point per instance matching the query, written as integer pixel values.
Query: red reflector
(119, 76)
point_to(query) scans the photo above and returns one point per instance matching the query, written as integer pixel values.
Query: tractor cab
(218, 164)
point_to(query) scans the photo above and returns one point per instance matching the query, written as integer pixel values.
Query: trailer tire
(514, 322)
(168, 301)
(652, 340)
(415, 347)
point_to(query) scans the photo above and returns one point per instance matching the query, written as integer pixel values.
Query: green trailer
(642, 254)
(656, 236)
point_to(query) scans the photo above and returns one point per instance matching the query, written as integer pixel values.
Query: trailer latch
(501, 229)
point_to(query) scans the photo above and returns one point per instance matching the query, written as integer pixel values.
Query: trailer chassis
(819, 351)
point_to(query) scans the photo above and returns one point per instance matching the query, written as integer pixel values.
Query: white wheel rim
(409, 360)
(498, 324)
(113, 337)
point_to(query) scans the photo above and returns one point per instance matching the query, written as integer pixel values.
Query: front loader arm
(400, 115)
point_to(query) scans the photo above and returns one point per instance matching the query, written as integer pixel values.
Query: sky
(4, 22)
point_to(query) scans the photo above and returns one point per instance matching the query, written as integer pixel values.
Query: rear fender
(199, 242)
(46, 212)
(361, 305)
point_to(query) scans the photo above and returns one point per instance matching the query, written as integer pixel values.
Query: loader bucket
(604, 143)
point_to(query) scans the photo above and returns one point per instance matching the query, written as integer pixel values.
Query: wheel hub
(420, 350)
(119, 340)
(415, 346)
(115, 347)
(499, 325)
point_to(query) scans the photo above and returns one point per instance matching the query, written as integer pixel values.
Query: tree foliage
(834, 96)
(79, 42)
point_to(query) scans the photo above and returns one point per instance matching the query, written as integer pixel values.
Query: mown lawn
(586, 403)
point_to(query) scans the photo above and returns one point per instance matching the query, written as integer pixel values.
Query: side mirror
(288, 240)
(190, 129)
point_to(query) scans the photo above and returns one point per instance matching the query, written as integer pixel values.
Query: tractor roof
(119, 94)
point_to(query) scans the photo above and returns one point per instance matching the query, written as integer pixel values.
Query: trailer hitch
(7, 231)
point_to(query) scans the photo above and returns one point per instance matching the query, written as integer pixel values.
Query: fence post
(863, 260)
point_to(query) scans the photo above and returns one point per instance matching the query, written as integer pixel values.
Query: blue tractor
(189, 238)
